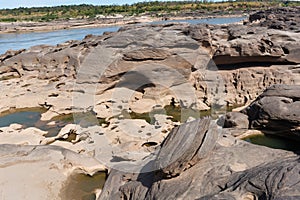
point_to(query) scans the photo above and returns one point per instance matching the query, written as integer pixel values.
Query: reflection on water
(17, 41)
(177, 114)
(30, 117)
(274, 142)
(27, 118)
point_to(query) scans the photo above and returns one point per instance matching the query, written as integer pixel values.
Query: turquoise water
(17, 41)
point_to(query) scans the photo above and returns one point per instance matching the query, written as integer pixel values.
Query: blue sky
(35, 3)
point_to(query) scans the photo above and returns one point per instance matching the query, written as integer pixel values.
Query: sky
(37, 3)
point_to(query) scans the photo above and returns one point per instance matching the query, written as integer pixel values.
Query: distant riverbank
(26, 39)
(25, 27)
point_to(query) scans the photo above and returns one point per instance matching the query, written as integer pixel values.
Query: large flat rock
(47, 172)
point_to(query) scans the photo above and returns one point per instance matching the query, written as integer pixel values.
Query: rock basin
(135, 70)
(31, 117)
(274, 142)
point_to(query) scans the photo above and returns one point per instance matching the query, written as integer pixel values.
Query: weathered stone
(45, 172)
(277, 18)
(222, 170)
(234, 119)
(181, 151)
(263, 182)
(146, 67)
(29, 136)
(146, 54)
(160, 61)
(277, 111)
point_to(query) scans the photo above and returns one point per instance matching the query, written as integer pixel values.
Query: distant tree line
(147, 8)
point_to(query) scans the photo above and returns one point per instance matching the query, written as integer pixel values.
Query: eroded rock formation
(277, 111)
(196, 161)
(246, 59)
(47, 172)
(141, 70)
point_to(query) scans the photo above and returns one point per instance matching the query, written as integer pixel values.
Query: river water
(17, 41)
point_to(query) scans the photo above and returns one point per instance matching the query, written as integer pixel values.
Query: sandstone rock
(234, 119)
(278, 18)
(250, 54)
(124, 144)
(34, 131)
(29, 136)
(207, 168)
(262, 46)
(159, 61)
(142, 68)
(245, 84)
(16, 126)
(146, 54)
(143, 106)
(250, 132)
(255, 183)
(276, 111)
(41, 172)
(242, 133)
(173, 160)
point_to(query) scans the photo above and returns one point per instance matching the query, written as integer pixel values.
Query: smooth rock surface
(234, 119)
(277, 111)
(42, 172)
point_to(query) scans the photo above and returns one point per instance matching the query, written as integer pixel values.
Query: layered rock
(200, 161)
(141, 70)
(196, 161)
(249, 59)
(177, 57)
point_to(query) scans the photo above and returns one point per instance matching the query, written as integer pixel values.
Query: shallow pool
(274, 142)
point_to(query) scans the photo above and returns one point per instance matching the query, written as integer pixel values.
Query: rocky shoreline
(142, 70)
(25, 27)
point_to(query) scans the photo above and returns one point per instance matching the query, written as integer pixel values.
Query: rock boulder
(198, 162)
(277, 111)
